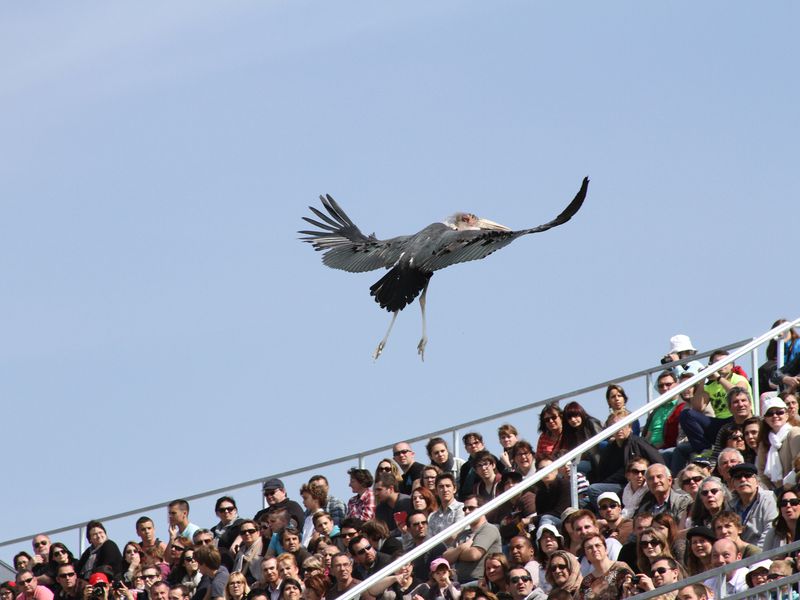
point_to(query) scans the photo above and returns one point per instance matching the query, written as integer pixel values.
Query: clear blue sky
(164, 331)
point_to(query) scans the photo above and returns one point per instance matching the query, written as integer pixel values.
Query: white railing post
(573, 482)
(456, 446)
(755, 387)
(648, 382)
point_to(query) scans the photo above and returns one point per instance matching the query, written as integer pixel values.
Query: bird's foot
(378, 350)
(421, 348)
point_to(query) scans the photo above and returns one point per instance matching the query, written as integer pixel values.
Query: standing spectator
(102, 552)
(227, 530)
(441, 457)
(149, 542)
(333, 505)
(405, 458)
(362, 505)
(550, 428)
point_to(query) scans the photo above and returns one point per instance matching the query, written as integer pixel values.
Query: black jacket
(613, 459)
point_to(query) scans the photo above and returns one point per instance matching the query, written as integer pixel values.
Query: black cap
(748, 468)
(702, 532)
(272, 484)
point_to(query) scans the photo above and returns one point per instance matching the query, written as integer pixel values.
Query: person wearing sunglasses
(783, 528)
(247, 559)
(366, 559)
(29, 588)
(521, 587)
(757, 505)
(778, 444)
(664, 570)
(611, 521)
(227, 530)
(563, 572)
(550, 429)
(651, 543)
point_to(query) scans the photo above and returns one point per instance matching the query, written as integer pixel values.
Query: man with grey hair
(755, 506)
(661, 497)
(728, 458)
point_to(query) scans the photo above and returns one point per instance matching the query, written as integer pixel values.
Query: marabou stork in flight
(412, 259)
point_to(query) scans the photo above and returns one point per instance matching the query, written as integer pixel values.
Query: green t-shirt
(719, 397)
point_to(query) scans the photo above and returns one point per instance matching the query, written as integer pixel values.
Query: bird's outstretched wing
(462, 246)
(343, 244)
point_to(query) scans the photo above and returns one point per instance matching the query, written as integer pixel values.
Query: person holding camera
(664, 570)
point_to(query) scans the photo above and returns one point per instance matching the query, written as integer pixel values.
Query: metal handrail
(360, 455)
(526, 483)
(720, 571)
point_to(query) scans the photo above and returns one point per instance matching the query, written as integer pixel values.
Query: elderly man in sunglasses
(755, 506)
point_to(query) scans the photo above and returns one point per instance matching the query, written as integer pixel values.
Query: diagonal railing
(526, 483)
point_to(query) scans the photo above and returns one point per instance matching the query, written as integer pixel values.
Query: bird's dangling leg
(424, 340)
(382, 344)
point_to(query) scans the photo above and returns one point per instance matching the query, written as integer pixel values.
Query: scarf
(773, 468)
(447, 466)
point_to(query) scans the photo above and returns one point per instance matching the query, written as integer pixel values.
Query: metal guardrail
(360, 456)
(526, 483)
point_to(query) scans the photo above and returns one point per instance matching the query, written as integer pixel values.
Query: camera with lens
(666, 359)
(116, 584)
(99, 591)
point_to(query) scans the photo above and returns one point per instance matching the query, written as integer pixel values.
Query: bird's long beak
(487, 224)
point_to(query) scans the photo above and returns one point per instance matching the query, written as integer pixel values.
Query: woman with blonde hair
(236, 588)
(650, 544)
(563, 572)
(387, 465)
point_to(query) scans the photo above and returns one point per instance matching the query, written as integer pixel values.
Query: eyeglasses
(40, 543)
(637, 471)
(26, 581)
(236, 583)
(469, 508)
(189, 559)
(742, 475)
(400, 452)
(177, 548)
(269, 492)
(58, 552)
(518, 578)
(418, 524)
(774, 576)
(664, 385)
(660, 570)
(608, 505)
(736, 436)
(650, 543)
(250, 531)
(711, 492)
(695, 479)
(150, 576)
(549, 418)
(484, 464)
(226, 509)
(558, 566)
(775, 413)
(204, 541)
(789, 502)
(364, 550)
(384, 469)
(66, 575)
(347, 533)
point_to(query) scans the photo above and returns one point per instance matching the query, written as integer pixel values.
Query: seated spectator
(450, 510)
(782, 530)
(427, 478)
(250, 551)
(699, 541)
(102, 552)
(552, 494)
(780, 569)
(518, 513)
(728, 525)
(661, 497)
(237, 587)
(712, 499)
(342, 570)
(227, 530)
(577, 428)
(290, 541)
(389, 500)
(650, 544)
(317, 586)
(792, 406)
(472, 546)
(59, 555)
(725, 552)
(666, 524)
(188, 574)
(611, 521)
(779, 443)
(362, 505)
(313, 498)
(332, 505)
(496, 573)
(636, 488)
(387, 465)
(695, 591)
(22, 560)
(507, 434)
(521, 586)
(424, 500)
(418, 531)
(410, 470)
(488, 479)
(607, 577)
(551, 421)
(29, 587)
(693, 398)
(467, 477)
(564, 572)
(703, 431)
(733, 437)
(275, 495)
(728, 458)
(179, 524)
(719, 384)
(584, 525)
(614, 458)
(152, 547)
(210, 565)
(440, 456)
(367, 560)
(664, 570)
(756, 506)
(680, 348)
(131, 558)
(379, 536)
(522, 458)
(653, 430)
(41, 556)
(291, 589)
(288, 567)
(629, 551)
(689, 479)
(521, 553)
(617, 401)
(70, 586)
(270, 580)
(441, 584)
(397, 586)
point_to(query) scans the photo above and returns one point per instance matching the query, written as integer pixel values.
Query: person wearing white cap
(611, 521)
(680, 347)
(775, 457)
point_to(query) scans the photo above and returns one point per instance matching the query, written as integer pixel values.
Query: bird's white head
(468, 222)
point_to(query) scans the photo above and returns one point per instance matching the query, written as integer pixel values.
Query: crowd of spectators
(702, 483)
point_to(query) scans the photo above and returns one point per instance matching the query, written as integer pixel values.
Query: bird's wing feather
(343, 244)
(463, 246)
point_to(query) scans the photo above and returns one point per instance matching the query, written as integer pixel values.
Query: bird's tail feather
(398, 288)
